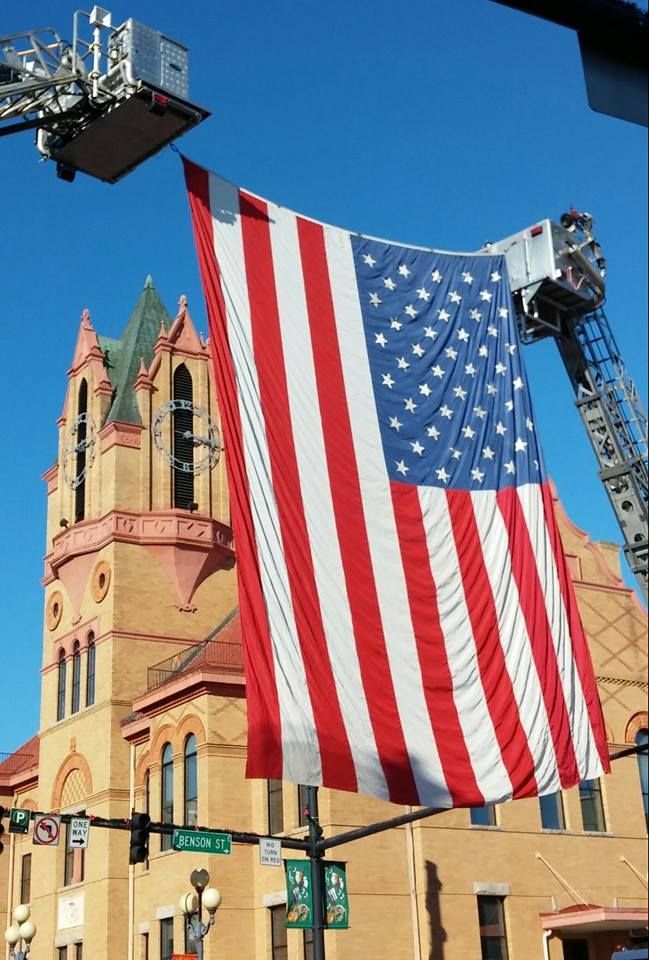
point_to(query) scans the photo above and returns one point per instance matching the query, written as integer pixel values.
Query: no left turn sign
(47, 830)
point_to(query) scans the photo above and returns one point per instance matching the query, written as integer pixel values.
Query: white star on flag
(380, 339)
(402, 363)
(455, 297)
(436, 276)
(389, 283)
(466, 276)
(411, 406)
(442, 475)
(374, 299)
(403, 270)
(387, 380)
(417, 447)
(423, 294)
(369, 259)
(477, 474)
(486, 295)
(395, 423)
(401, 467)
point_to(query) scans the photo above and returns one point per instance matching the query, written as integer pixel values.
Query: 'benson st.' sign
(201, 841)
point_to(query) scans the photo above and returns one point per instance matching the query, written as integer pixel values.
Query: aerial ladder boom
(557, 275)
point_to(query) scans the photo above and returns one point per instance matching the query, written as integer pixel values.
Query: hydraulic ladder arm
(557, 277)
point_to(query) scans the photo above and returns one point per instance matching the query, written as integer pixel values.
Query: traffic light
(139, 850)
(3, 813)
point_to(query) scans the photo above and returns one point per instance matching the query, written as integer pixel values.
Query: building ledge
(591, 918)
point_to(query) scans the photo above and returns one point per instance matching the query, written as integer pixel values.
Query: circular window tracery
(100, 581)
(54, 610)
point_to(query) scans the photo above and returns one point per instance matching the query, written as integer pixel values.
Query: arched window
(641, 739)
(190, 782)
(183, 447)
(76, 676)
(60, 697)
(90, 674)
(80, 465)
(167, 793)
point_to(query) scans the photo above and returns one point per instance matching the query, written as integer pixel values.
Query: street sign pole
(315, 858)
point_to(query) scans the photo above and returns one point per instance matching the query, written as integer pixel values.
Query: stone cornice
(161, 528)
(187, 686)
(120, 434)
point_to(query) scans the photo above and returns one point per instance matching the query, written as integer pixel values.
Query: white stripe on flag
(301, 754)
(588, 760)
(468, 693)
(515, 641)
(381, 527)
(318, 505)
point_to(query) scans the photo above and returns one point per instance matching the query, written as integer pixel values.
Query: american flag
(410, 628)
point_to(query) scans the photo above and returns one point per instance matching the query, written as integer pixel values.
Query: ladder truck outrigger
(115, 96)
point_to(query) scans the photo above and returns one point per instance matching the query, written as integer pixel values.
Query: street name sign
(270, 852)
(19, 820)
(47, 830)
(201, 841)
(78, 833)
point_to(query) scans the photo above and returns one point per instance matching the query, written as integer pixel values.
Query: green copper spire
(136, 344)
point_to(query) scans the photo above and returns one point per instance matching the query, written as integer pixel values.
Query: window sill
(486, 826)
(71, 887)
(597, 833)
(162, 853)
(561, 830)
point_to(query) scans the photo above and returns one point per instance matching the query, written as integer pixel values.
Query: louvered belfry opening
(183, 447)
(80, 465)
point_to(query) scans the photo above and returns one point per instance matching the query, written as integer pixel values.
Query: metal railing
(210, 652)
(11, 763)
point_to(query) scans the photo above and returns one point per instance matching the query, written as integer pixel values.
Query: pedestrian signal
(139, 850)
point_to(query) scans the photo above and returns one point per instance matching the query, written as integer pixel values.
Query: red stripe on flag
(335, 754)
(579, 642)
(433, 660)
(496, 683)
(350, 519)
(264, 732)
(534, 610)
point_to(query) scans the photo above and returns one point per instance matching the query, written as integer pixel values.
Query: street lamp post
(191, 904)
(22, 931)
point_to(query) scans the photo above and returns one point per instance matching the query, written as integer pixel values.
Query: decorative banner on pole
(299, 894)
(336, 896)
(47, 830)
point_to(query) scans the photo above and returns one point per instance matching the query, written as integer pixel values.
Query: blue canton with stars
(449, 381)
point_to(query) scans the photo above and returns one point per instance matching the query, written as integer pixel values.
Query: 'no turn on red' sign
(47, 830)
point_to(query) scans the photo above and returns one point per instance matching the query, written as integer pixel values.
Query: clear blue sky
(445, 123)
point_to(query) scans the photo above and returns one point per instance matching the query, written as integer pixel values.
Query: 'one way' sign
(78, 833)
